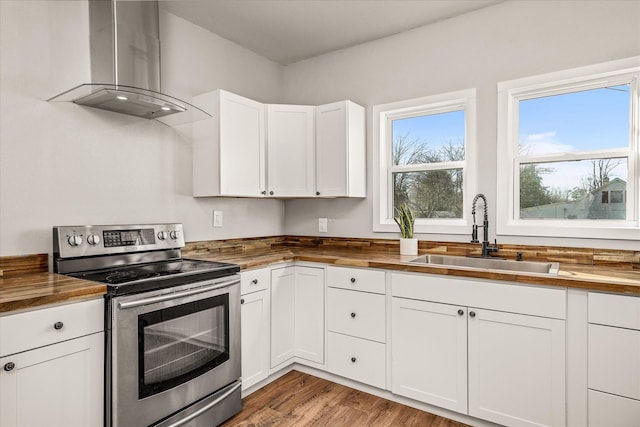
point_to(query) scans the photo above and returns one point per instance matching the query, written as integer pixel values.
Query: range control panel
(91, 240)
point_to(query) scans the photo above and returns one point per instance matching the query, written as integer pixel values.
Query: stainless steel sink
(547, 268)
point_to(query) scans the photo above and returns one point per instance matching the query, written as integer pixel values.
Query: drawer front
(37, 328)
(614, 310)
(357, 359)
(356, 279)
(614, 360)
(254, 280)
(359, 314)
(612, 411)
(500, 296)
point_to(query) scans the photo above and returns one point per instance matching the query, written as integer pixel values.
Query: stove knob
(93, 239)
(173, 234)
(162, 235)
(74, 240)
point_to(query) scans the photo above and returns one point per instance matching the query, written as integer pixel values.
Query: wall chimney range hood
(125, 65)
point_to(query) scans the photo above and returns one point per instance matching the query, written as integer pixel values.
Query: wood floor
(298, 399)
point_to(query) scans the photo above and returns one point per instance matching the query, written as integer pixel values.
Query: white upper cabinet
(229, 148)
(290, 150)
(250, 149)
(340, 150)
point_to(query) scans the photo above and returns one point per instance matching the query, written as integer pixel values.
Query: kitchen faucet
(487, 248)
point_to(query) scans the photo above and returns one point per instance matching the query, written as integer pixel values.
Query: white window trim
(509, 93)
(382, 114)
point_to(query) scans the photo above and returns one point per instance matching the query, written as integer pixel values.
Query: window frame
(625, 71)
(383, 170)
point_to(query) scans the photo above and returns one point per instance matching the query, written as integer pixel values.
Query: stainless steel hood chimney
(125, 65)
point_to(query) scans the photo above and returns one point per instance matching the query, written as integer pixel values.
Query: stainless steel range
(172, 324)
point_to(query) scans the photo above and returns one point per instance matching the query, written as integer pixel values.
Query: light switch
(322, 225)
(217, 218)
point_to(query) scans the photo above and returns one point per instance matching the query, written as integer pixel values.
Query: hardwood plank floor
(298, 399)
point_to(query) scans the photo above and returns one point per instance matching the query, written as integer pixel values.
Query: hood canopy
(125, 65)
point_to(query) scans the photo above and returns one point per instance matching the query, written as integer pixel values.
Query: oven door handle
(175, 295)
(204, 409)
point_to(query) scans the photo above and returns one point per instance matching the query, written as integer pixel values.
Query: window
(568, 153)
(424, 155)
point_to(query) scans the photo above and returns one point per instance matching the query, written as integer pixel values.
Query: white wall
(503, 42)
(62, 164)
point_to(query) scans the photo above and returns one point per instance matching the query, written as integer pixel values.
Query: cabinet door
(429, 353)
(229, 148)
(60, 385)
(282, 315)
(255, 338)
(516, 368)
(309, 314)
(340, 150)
(290, 150)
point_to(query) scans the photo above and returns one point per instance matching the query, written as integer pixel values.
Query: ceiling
(287, 31)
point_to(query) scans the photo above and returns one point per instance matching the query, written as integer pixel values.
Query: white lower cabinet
(502, 367)
(59, 384)
(255, 333)
(429, 353)
(516, 368)
(613, 360)
(357, 324)
(297, 314)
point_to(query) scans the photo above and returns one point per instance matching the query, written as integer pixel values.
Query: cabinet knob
(58, 325)
(271, 193)
(353, 360)
(472, 314)
(9, 366)
(353, 315)
(242, 301)
(263, 192)
(353, 280)
(254, 281)
(317, 193)
(460, 312)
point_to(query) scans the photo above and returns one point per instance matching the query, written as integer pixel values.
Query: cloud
(543, 143)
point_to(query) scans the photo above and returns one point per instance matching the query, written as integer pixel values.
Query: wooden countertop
(30, 290)
(597, 278)
(26, 291)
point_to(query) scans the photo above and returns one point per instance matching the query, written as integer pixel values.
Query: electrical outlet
(323, 225)
(217, 218)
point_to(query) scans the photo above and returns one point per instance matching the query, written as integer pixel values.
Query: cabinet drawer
(254, 280)
(614, 360)
(612, 411)
(614, 310)
(37, 328)
(359, 314)
(357, 359)
(356, 279)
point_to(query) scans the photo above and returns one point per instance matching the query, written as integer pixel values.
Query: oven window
(179, 343)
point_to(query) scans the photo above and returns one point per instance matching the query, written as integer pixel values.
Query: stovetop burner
(127, 279)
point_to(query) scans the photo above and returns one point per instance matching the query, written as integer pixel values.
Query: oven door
(172, 348)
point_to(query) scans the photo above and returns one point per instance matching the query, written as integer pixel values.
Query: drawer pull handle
(472, 314)
(353, 315)
(353, 360)
(242, 301)
(9, 366)
(353, 280)
(58, 325)
(460, 312)
(254, 282)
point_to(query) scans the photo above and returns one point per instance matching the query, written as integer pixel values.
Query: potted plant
(405, 220)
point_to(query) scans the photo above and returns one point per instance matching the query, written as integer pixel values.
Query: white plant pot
(409, 246)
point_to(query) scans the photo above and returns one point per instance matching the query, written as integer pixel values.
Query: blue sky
(436, 129)
(587, 120)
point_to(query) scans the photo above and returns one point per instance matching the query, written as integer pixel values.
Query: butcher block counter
(25, 282)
